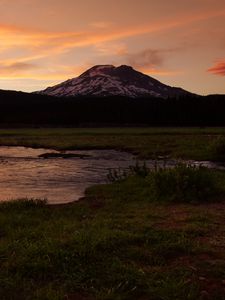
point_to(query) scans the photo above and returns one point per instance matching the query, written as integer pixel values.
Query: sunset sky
(179, 42)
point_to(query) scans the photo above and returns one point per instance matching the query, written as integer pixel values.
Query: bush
(184, 183)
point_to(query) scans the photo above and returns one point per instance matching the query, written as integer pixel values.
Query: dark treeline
(24, 109)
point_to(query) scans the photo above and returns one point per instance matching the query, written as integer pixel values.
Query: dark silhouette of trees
(24, 109)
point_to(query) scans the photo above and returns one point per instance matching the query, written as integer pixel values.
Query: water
(24, 175)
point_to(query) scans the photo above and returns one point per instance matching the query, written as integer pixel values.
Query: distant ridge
(108, 80)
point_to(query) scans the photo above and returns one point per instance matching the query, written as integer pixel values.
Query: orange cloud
(46, 42)
(218, 69)
(41, 47)
(16, 67)
(91, 38)
(34, 72)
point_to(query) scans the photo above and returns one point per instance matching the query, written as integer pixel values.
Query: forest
(27, 109)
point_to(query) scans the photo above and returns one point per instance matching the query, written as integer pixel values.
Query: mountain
(107, 80)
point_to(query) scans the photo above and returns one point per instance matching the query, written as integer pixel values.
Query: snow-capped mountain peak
(108, 80)
(98, 70)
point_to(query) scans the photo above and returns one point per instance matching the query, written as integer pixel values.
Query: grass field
(119, 243)
(187, 143)
(159, 236)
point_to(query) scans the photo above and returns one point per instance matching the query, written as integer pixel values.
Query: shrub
(183, 183)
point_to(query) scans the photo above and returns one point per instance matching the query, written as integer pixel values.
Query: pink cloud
(218, 68)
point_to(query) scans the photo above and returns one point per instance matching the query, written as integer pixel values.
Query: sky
(179, 42)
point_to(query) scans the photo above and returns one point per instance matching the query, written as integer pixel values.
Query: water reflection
(24, 174)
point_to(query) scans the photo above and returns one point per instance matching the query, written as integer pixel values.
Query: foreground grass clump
(23, 203)
(183, 183)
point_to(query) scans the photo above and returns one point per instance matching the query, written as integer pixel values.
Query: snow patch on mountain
(108, 80)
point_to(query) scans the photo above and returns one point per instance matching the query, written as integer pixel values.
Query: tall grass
(182, 183)
(23, 203)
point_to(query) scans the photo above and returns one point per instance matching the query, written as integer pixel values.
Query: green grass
(188, 143)
(117, 244)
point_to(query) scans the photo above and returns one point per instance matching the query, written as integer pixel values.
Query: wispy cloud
(15, 68)
(101, 24)
(39, 49)
(148, 58)
(218, 68)
(46, 42)
(151, 61)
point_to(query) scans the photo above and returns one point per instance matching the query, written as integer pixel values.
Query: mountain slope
(107, 80)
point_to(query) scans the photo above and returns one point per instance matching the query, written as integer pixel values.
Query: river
(24, 174)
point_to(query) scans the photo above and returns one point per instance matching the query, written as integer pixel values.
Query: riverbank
(184, 143)
(116, 244)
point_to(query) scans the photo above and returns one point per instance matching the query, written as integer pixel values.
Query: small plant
(119, 174)
(139, 170)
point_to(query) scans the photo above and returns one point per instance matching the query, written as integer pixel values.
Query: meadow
(147, 235)
(184, 143)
